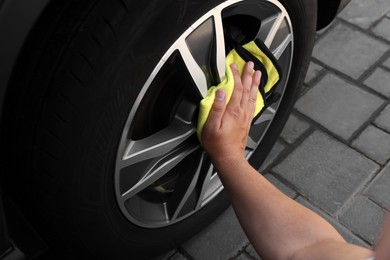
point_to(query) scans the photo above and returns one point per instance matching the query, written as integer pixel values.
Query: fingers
(237, 90)
(254, 89)
(217, 110)
(246, 87)
(246, 79)
(242, 103)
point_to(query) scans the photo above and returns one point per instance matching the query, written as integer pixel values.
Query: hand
(227, 127)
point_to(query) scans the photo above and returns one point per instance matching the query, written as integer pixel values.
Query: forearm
(276, 225)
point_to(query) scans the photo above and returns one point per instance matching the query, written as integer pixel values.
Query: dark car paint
(17, 18)
(327, 11)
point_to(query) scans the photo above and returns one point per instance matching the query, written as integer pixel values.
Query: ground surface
(333, 155)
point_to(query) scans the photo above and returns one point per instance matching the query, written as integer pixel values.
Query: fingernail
(234, 66)
(220, 95)
(258, 75)
(250, 65)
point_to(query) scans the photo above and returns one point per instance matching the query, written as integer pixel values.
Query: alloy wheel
(162, 174)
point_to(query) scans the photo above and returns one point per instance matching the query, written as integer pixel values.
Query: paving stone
(387, 63)
(379, 81)
(349, 51)
(281, 186)
(374, 143)
(172, 254)
(364, 218)
(293, 129)
(344, 232)
(275, 151)
(325, 30)
(383, 120)
(312, 72)
(364, 13)
(379, 190)
(252, 252)
(223, 239)
(242, 256)
(337, 105)
(326, 171)
(382, 28)
(177, 256)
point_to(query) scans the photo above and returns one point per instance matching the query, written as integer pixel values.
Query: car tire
(97, 76)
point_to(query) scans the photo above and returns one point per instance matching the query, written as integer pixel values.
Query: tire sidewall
(303, 15)
(83, 159)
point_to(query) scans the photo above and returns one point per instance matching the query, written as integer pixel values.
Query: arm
(277, 226)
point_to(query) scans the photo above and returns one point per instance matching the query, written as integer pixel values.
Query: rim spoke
(159, 167)
(220, 46)
(267, 115)
(251, 144)
(258, 127)
(164, 176)
(194, 70)
(279, 50)
(205, 186)
(182, 195)
(269, 28)
(157, 144)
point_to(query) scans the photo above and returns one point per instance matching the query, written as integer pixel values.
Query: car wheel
(103, 113)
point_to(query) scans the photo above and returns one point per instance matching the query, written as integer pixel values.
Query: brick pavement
(333, 155)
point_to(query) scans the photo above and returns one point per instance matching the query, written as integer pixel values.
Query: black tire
(79, 76)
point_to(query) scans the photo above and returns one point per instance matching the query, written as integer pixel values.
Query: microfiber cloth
(263, 60)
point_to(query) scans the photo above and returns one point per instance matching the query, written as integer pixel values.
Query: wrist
(228, 163)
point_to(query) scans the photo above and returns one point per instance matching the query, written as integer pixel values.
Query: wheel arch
(17, 18)
(327, 11)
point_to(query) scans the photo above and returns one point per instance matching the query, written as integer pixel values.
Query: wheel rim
(162, 175)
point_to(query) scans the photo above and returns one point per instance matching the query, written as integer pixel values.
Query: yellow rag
(271, 75)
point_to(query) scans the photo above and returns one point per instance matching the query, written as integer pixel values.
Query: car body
(17, 20)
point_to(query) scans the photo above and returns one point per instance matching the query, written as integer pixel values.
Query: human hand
(227, 127)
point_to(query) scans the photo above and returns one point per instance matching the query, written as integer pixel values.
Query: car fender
(17, 18)
(327, 11)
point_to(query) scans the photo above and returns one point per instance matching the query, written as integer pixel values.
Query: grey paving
(383, 119)
(374, 143)
(349, 50)
(379, 190)
(387, 63)
(294, 128)
(333, 155)
(251, 251)
(210, 243)
(318, 171)
(177, 256)
(382, 29)
(379, 81)
(338, 105)
(313, 71)
(275, 151)
(243, 256)
(281, 186)
(346, 233)
(364, 218)
(364, 13)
